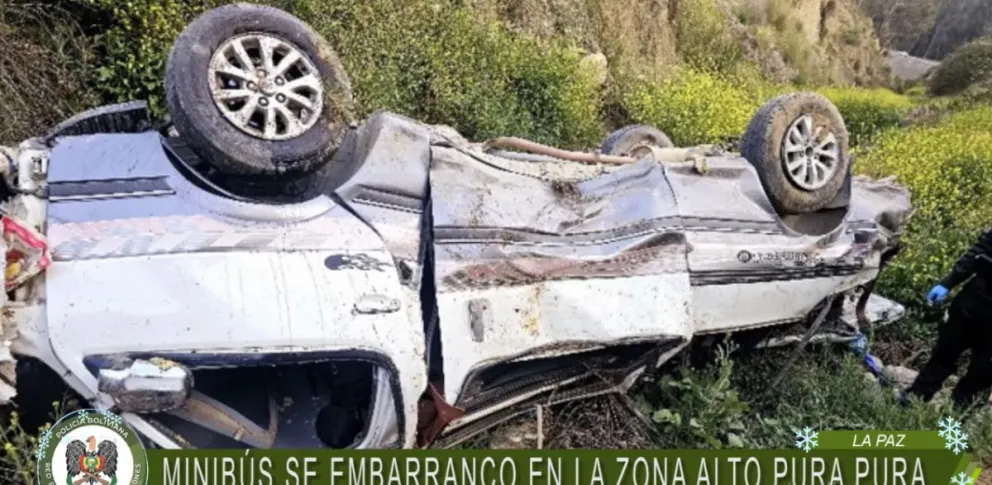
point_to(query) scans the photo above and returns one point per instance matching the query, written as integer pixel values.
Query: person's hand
(937, 294)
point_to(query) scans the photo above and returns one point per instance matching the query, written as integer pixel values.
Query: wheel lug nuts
(264, 101)
(261, 72)
(281, 98)
(280, 81)
(251, 86)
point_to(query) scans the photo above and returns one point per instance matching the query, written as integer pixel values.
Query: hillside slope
(821, 41)
(958, 22)
(930, 28)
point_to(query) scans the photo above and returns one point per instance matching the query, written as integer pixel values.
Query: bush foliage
(967, 65)
(19, 458)
(701, 408)
(437, 63)
(136, 45)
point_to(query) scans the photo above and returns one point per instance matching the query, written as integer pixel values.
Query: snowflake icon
(947, 426)
(111, 417)
(43, 441)
(83, 414)
(807, 439)
(46, 437)
(961, 479)
(956, 441)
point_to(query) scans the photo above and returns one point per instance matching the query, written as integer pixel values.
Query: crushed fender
(26, 256)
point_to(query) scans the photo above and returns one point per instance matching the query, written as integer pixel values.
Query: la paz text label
(879, 440)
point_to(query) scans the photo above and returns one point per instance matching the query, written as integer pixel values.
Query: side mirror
(146, 386)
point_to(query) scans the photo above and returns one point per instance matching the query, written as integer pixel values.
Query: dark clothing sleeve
(970, 262)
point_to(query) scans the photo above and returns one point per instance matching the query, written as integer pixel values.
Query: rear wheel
(798, 144)
(634, 141)
(257, 93)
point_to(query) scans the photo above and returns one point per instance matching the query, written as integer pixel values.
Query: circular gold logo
(90, 447)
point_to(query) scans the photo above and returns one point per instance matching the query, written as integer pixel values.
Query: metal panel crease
(563, 265)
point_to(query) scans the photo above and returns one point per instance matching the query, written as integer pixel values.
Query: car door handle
(374, 303)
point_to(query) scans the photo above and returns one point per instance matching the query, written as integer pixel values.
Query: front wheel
(257, 93)
(798, 144)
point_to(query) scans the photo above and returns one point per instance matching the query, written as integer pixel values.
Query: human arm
(969, 262)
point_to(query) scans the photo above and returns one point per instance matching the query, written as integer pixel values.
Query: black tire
(227, 148)
(626, 140)
(763, 146)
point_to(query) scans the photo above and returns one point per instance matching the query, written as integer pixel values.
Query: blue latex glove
(937, 294)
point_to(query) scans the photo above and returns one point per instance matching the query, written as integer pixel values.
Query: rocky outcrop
(901, 23)
(958, 22)
(929, 28)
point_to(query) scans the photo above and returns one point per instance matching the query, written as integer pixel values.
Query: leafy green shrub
(967, 65)
(948, 169)
(437, 63)
(795, 49)
(868, 111)
(778, 13)
(692, 107)
(701, 408)
(135, 46)
(852, 35)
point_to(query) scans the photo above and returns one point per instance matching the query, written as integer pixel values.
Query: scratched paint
(532, 311)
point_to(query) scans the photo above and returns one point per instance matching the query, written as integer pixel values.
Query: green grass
(728, 403)
(703, 38)
(948, 170)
